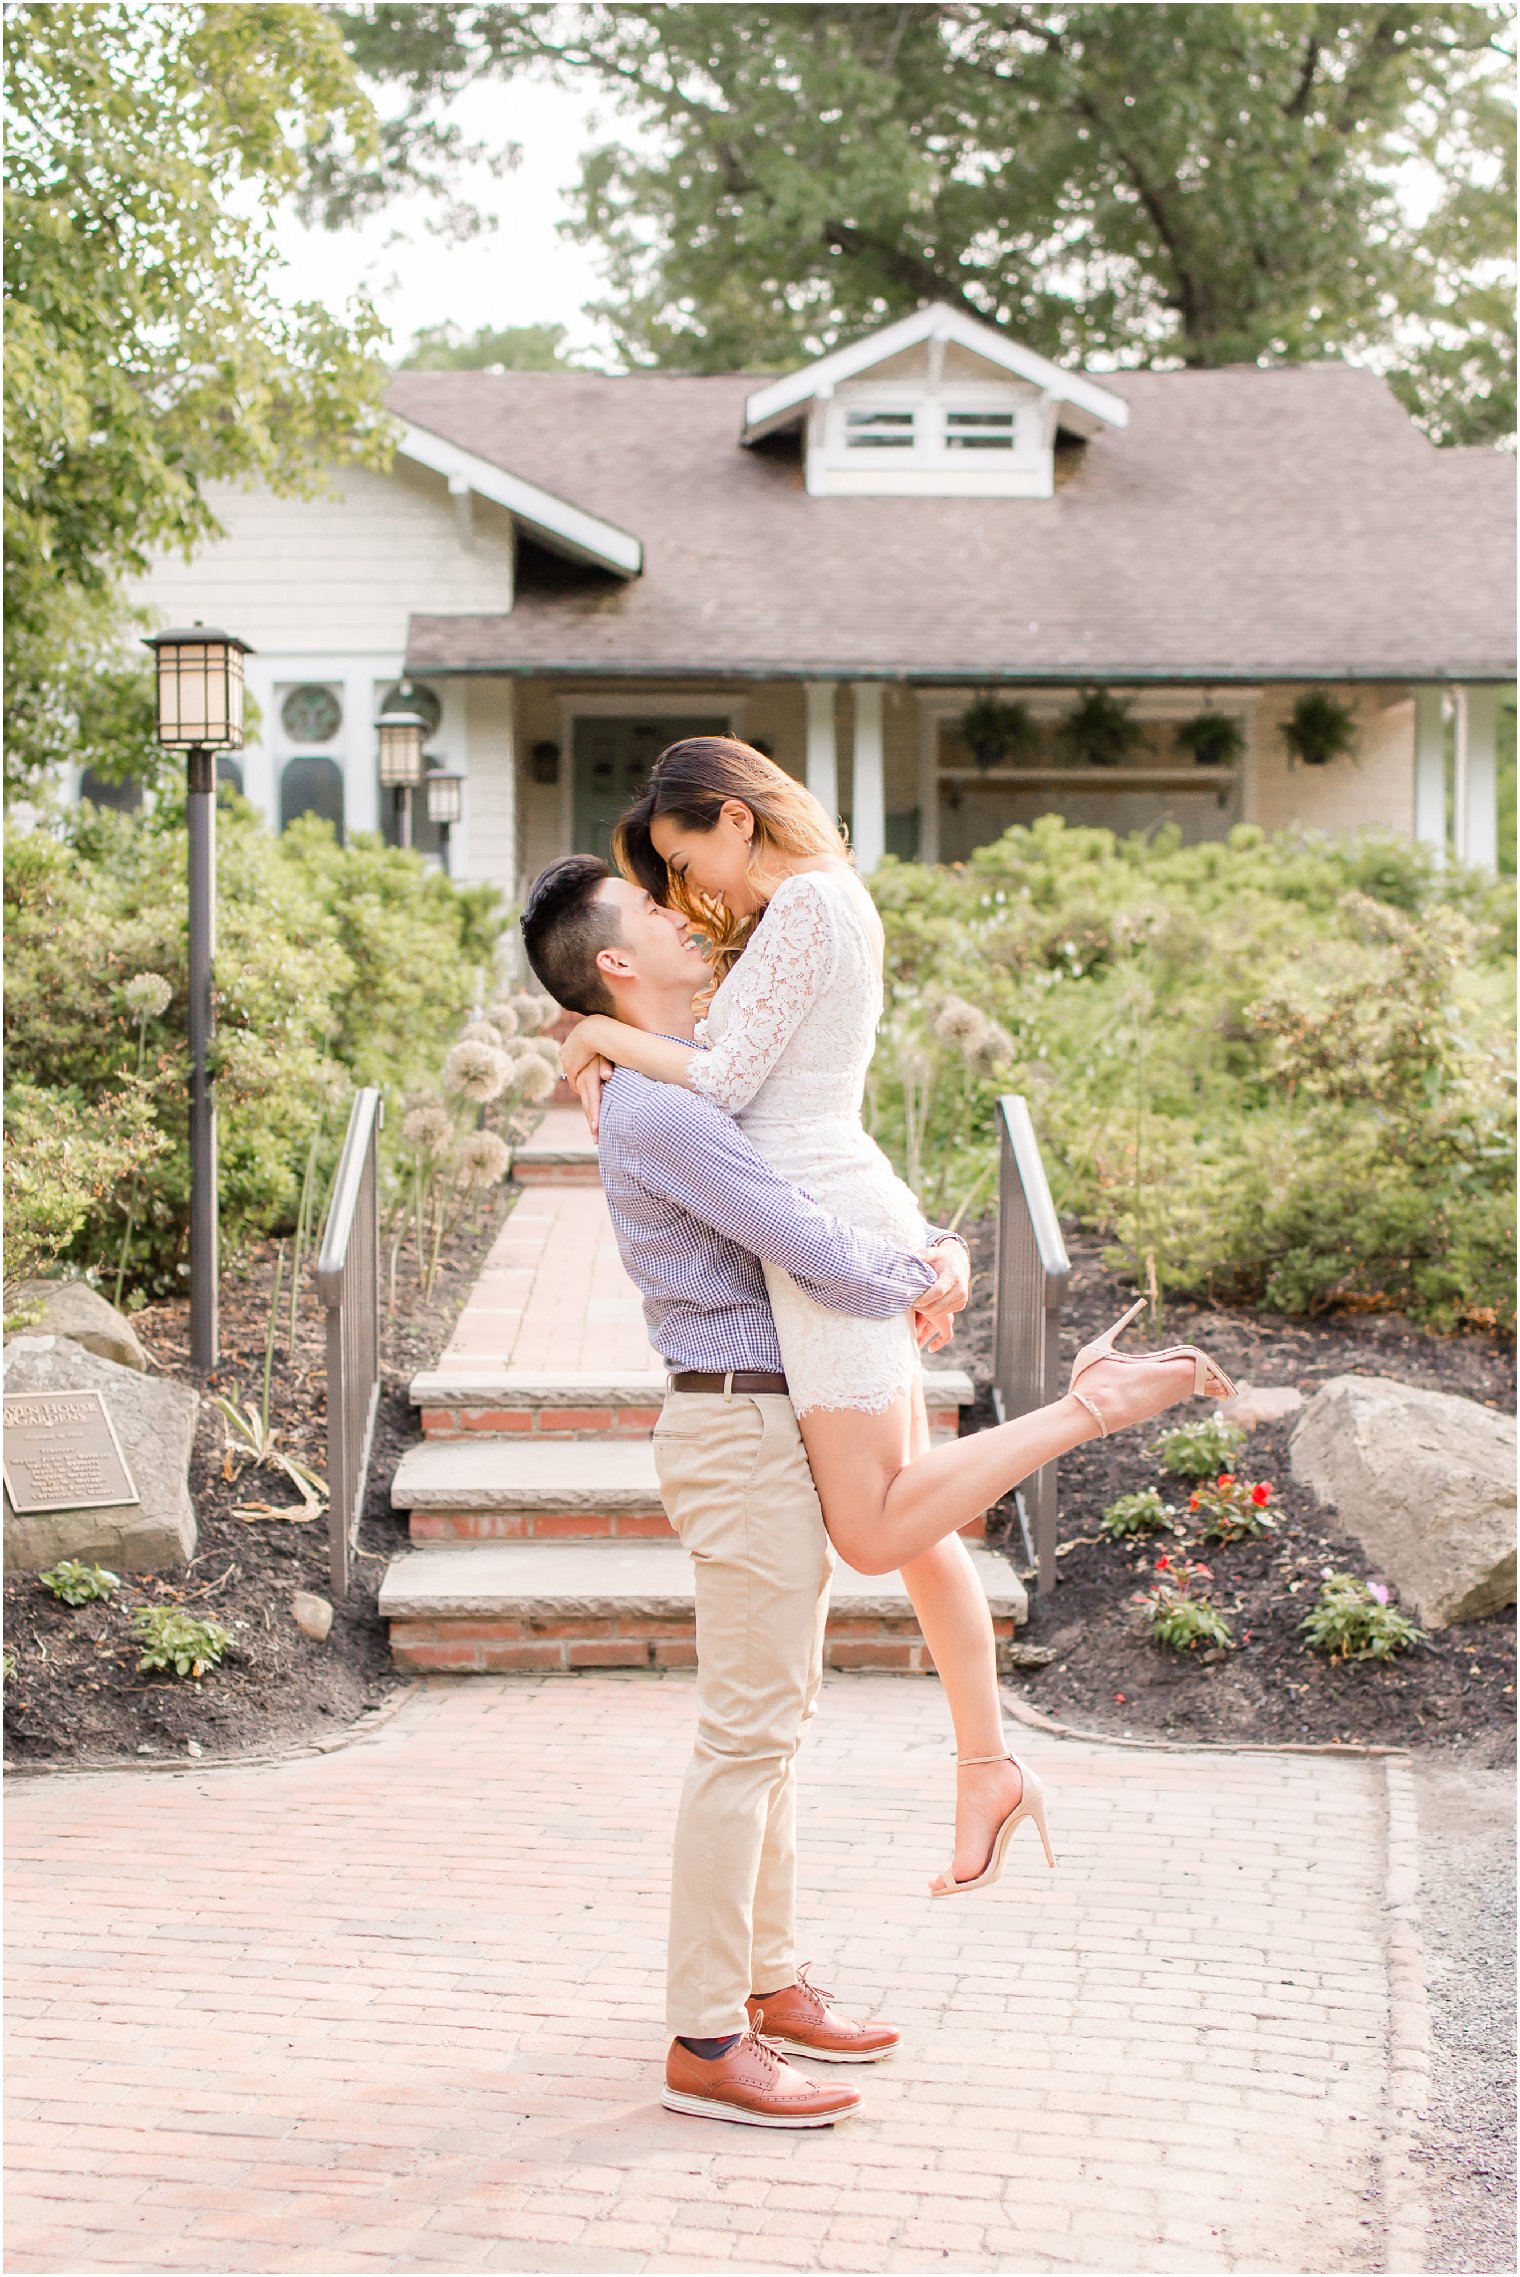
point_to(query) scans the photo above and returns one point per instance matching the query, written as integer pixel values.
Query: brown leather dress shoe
(753, 2087)
(803, 2021)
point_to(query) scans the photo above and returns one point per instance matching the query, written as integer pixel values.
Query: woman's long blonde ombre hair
(690, 782)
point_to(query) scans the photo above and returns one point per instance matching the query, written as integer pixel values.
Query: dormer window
(981, 430)
(934, 406)
(880, 430)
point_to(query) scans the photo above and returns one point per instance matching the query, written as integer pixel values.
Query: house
(572, 570)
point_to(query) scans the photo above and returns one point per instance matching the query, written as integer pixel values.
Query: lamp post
(403, 728)
(445, 804)
(200, 712)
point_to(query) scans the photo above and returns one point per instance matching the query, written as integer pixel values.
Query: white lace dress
(790, 1032)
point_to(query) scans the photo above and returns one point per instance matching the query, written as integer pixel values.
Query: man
(696, 1212)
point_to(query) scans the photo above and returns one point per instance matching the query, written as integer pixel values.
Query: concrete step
(532, 1488)
(561, 1152)
(490, 1402)
(553, 1608)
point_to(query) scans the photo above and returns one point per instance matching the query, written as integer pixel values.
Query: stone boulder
(74, 1309)
(1425, 1482)
(154, 1421)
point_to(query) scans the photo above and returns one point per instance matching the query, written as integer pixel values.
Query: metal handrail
(347, 1273)
(1032, 1272)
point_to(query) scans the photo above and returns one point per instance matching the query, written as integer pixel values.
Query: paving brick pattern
(398, 2008)
(580, 1311)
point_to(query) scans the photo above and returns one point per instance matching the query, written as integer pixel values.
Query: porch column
(928, 783)
(491, 783)
(868, 799)
(361, 779)
(1430, 770)
(1477, 783)
(822, 748)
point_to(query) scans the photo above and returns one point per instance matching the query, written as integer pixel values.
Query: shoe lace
(758, 2047)
(818, 1998)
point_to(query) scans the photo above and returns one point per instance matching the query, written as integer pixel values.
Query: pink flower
(1206, 1572)
(1378, 1590)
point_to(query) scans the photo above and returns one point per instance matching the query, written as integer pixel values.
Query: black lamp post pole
(200, 810)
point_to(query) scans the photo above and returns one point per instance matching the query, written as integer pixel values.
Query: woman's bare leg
(882, 1511)
(953, 1614)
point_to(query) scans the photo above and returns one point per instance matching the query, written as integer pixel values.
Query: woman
(750, 856)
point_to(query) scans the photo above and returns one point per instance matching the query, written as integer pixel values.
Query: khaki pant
(738, 1491)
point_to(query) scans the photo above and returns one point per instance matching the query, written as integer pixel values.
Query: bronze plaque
(61, 1453)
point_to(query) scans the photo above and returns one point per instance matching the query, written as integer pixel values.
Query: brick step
(554, 1488)
(561, 1152)
(554, 1608)
(458, 1403)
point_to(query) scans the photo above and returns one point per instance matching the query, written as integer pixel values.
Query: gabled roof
(1084, 406)
(1247, 524)
(565, 529)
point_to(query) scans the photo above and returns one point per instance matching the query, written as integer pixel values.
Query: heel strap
(1005, 1757)
(1093, 1410)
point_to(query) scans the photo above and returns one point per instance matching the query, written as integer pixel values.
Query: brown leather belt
(741, 1380)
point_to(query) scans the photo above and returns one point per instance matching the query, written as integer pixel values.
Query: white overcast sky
(522, 272)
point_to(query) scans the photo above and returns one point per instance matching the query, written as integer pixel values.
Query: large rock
(154, 1421)
(73, 1308)
(1425, 1482)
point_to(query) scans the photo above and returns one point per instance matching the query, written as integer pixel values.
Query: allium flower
(503, 1017)
(959, 1022)
(427, 1129)
(477, 1071)
(546, 1048)
(147, 995)
(481, 1032)
(484, 1159)
(534, 1012)
(535, 1080)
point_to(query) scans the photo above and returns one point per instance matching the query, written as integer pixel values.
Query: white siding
(491, 791)
(341, 572)
(1374, 789)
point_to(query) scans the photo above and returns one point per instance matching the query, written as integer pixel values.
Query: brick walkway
(398, 2008)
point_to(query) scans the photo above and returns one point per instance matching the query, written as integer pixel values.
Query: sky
(521, 272)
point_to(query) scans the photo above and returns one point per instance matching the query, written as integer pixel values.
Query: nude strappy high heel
(1209, 1379)
(1031, 1804)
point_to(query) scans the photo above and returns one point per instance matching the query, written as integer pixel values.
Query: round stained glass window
(311, 715)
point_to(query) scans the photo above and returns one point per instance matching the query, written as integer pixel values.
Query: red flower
(1192, 1502)
(1225, 1478)
(1163, 1564)
(1261, 1495)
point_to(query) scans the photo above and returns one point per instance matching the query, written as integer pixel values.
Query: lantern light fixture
(403, 728)
(445, 797)
(200, 687)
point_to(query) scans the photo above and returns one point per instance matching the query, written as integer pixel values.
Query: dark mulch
(76, 1694)
(1456, 1689)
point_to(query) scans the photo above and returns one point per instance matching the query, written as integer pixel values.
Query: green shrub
(1272, 1070)
(1198, 1450)
(174, 1640)
(1353, 1620)
(1180, 1615)
(1233, 1509)
(76, 1584)
(1141, 1513)
(335, 965)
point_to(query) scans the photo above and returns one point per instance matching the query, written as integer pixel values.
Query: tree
(510, 348)
(1134, 183)
(148, 354)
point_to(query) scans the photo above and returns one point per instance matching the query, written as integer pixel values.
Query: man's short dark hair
(565, 926)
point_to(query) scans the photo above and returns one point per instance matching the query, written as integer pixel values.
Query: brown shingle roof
(1248, 523)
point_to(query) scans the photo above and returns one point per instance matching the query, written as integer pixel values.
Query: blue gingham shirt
(696, 1210)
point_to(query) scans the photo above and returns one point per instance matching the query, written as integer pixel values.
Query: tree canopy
(507, 348)
(1126, 183)
(148, 352)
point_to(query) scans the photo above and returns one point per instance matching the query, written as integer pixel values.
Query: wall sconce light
(544, 761)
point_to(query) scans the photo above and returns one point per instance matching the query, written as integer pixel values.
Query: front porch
(892, 758)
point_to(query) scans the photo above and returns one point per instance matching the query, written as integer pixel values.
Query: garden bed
(1457, 1688)
(76, 1694)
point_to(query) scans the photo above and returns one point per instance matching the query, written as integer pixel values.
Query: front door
(612, 759)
